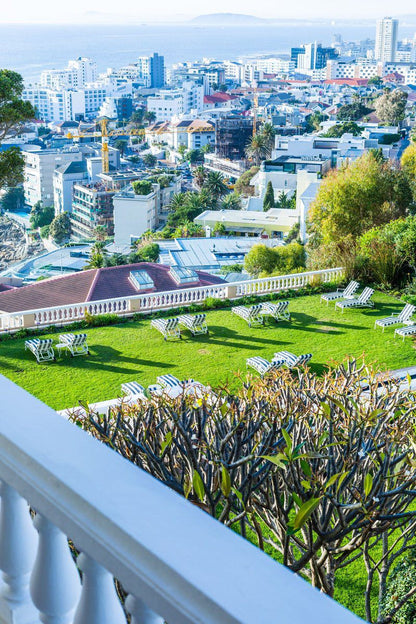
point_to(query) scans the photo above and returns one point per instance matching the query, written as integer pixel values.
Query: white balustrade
(99, 602)
(18, 541)
(55, 582)
(140, 612)
(167, 554)
(151, 302)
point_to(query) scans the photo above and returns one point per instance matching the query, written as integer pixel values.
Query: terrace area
(134, 351)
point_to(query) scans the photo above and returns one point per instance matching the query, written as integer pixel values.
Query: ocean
(29, 49)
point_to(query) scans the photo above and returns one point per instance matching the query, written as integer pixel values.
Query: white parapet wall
(176, 563)
(152, 302)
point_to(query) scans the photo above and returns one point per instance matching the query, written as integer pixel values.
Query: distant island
(228, 18)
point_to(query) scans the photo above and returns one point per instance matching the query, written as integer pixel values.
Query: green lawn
(135, 351)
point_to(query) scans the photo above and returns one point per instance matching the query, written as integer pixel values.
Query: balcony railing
(175, 562)
(152, 302)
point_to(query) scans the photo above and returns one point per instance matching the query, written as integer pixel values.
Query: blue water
(29, 49)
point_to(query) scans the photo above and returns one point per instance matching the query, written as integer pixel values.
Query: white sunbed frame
(76, 344)
(196, 324)
(291, 360)
(345, 293)
(252, 315)
(42, 349)
(396, 318)
(363, 301)
(279, 311)
(168, 327)
(263, 366)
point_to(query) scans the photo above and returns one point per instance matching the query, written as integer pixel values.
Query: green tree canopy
(243, 183)
(390, 107)
(41, 215)
(338, 130)
(60, 228)
(353, 112)
(268, 201)
(142, 187)
(357, 197)
(149, 160)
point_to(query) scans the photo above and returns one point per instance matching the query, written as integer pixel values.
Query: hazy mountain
(228, 19)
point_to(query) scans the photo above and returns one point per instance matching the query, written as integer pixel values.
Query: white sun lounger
(395, 319)
(363, 301)
(291, 360)
(279, 311)
(42, 349)
(76, 344)
(253, 314)
(168, 381)
(410, 330)
(340, 293)
(196, 324)
(263, 366)
(168, 327)
(133, 390)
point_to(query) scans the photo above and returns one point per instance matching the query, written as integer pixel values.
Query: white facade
(63, 181)
(77, 74)
(176, 102)
(386, 39)
(133, 215)
(39, 172)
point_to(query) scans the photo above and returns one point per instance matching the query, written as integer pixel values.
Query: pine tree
(268, 201)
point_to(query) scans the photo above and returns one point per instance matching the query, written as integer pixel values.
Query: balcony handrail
(183, 564)
(252, 287)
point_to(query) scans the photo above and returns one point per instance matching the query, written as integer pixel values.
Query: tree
(13, 113)
(313, 122)
(390, 107)
(137, 117)
(283, 202)
(268, 201)
(13, 199)
(40, 216)
(317, 469)
(150, 117)
(194, 156)
(260, 259)
(268, 132)
(215, 185)
(377, 81)
(60, 228)
(408, 162)
(207, 148)
(149, 160)
(338, 130)
(148, 252)
(120, 145)
(199, 175)
(232, 201)
(243, 183)
(257, 148)
(142, 187)
(353, 112)
(100, 233)
(294, 232)
(357, 197)
(181, 150)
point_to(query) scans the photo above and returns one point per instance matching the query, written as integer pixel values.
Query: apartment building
(92, 206)
(39, 172)
(168, 104)
(386, 39)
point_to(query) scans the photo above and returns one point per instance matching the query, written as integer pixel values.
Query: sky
(133, 11)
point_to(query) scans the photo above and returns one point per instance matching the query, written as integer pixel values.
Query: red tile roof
(92, 285)
(218, 97)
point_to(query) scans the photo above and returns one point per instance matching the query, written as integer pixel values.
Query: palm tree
(215, 185)
(257, 148)
(269, 133)
(177, 201)
(200, 176)
(232, 201)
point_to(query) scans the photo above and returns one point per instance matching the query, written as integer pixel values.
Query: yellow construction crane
(104, 135)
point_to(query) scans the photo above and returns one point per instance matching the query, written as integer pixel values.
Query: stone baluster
(18, 542)
(140, 613)
(55, 584)
(99, 602)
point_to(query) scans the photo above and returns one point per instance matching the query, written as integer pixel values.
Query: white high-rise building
(386, 39)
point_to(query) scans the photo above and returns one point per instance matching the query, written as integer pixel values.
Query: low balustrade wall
(152, 302)
(175, 563)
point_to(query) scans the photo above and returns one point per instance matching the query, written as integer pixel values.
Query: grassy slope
(135, 351)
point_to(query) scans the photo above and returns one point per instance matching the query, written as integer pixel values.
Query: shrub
(100, 320)
(142, 187)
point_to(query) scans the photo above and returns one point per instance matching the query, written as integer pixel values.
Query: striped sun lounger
(76, 344)
(253, 314)
(168, 381)
(291, 360)
(363, 301)
(133, 390)
(410, 330)
(196, 324)
(168, 327)
(395, 319)
(345, 293)
(263, 366)
(41, 349)
(279, 311)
